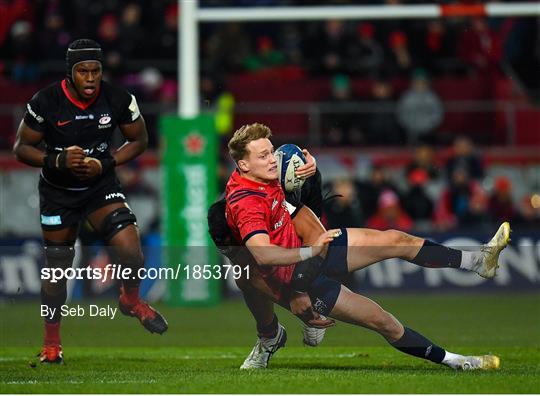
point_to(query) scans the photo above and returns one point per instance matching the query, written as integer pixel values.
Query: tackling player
(257, 216)
(75, 118)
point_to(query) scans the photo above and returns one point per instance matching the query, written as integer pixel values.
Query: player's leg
(271, 335)
(118, 227)
(366, 246)
(361, 311)
(59, 254)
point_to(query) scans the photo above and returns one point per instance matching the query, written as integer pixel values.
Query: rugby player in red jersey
(256, 213)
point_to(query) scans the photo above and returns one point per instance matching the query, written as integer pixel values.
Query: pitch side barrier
(21, 261)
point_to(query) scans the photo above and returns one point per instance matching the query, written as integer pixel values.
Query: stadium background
(429, 126)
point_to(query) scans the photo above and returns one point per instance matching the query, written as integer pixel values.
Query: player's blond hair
(245, 134)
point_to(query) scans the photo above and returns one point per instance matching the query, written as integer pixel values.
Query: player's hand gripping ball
(289, 158)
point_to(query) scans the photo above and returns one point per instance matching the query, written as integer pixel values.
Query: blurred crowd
(33, 31)
(431, 197)
(139, 39)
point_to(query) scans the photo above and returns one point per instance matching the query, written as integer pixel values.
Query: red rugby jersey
(254, 208)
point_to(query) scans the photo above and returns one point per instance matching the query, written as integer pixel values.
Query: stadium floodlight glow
(191, 16)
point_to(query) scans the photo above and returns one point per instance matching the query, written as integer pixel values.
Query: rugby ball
(289, 158)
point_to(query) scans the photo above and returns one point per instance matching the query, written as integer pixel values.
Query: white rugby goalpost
(191, 16)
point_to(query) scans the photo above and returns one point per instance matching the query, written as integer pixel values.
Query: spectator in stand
(501, 205)
(54, 37)
(367, 56)
(438, 49)
(389, 214)
(465, 157)
(478, 215)
(23, 53)
(481, 49)
(424, 159)
(400, 58)
(330, 49)
(455, 201)
(227, 49)
(369, 191)
(266, 56)
(167, 35)
(108, 34)
(381, 127)
(528, 217)
(417, 202)
(291, 42)
(344, 210)
(131, 34)
(341, 128)
(419, 110)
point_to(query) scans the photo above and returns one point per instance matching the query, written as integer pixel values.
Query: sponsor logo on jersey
(51, 220)
(102, 147)
(33, 114)
(319, 305)
(114, 195)
(85, 117)
(62, 123)
(274, 203)
(104, 120)
(280, 222)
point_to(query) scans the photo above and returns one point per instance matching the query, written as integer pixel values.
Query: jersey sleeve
(128, 109)
(35, 114)
(251, 217)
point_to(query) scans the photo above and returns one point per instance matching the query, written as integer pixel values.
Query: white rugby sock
(452, 359)
(468, 260)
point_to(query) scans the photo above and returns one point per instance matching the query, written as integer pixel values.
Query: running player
(75, 118)
(257, 216)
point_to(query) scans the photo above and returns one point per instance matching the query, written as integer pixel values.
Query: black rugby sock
(415, 344)
(269, 330)
(435, 255)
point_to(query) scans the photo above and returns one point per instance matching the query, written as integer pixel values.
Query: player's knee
(385, 324)
(59, 254)
(397, 238)
(116, 221)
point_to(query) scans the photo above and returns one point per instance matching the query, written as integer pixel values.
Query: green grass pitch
(203, 349)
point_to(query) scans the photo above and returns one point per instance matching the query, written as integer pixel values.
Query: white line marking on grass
(112, 381)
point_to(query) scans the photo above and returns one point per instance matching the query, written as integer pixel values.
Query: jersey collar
(251, 183)
(81, 105)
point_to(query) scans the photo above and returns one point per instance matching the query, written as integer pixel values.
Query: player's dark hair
(244, 135)
(82, 50)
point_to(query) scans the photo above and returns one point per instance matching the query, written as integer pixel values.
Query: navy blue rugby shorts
(325, 290)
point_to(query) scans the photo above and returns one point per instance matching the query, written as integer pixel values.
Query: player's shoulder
(115, 91)
(245, 196)
(240, 193)
(48, 94)
(45, 101)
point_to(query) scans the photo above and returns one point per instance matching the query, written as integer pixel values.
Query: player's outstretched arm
(137, 141)
(265, 253)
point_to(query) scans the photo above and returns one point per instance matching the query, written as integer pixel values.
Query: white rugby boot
(312, 335)
(484, 362)
(264, 349)
(488, 259)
